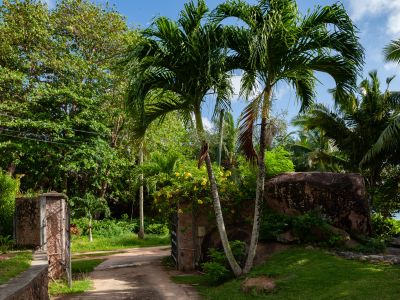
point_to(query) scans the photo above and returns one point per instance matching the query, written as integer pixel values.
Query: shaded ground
(135, 274)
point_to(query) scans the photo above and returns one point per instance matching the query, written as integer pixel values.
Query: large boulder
(340, 197)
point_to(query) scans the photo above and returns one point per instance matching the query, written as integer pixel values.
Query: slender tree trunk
(90, 230)
(237, 270)
(221, 136)
(141, 196)
(260, 182)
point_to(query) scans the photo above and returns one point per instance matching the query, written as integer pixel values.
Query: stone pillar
(56, 233)
(43, 222)
(192, 226)
(185, 238)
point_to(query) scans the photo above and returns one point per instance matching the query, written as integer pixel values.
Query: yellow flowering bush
(191, 185)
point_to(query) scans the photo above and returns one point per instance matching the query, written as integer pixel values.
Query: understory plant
(217, 268)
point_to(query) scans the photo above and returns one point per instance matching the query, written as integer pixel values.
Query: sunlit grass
(15, 265)
(80, 283)
(311, 274)
(82, 244)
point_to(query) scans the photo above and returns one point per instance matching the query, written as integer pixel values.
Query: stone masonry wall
(31, 284)
(27, 220)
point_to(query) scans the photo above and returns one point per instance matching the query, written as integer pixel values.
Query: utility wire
(77, 130)
(34, 134)
(33, 139)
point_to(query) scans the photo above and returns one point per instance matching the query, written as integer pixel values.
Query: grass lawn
(13, 264)
(310, 274)
(80, 282)
(82, 244)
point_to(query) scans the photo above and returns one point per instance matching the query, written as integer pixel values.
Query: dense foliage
(8, 191)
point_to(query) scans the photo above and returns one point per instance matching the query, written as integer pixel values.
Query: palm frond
(246, 128)
(388, 140)
(392, 51)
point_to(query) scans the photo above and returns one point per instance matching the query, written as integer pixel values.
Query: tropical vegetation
(114, 117)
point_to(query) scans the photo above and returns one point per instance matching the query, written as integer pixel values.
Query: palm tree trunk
(260, 182)
(237, 270)
(141, 196)
(221, 136)
(90, 230)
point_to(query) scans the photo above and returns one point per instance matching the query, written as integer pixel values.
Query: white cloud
(391, 67)
(208, 125)
(389, 8)
(236, 84)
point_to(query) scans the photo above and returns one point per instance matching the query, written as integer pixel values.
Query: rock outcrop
(341, 198)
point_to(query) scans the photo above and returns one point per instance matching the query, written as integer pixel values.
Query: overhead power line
(40, 136)
(72, 129)
(33, 139)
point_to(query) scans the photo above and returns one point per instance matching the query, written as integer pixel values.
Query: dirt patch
(260, 284)
(6, 256)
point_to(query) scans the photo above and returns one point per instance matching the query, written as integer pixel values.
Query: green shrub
(8, 191)
(215, 272)
(113, 227)
(273, 224)
(309, 228)
(384, 228)
(217, 268)
(6, 243)
(278, 161)
(372, 245)
(156, 228)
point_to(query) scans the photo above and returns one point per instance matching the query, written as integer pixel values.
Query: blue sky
(378, 22)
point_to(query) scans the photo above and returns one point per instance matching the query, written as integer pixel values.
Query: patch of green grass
(311, 274)
(15, 265)
(85, 266)
(80, 282)
(60, 287)
(82, 244)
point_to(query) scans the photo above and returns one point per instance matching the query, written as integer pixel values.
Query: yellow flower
(177, 174)
(180, 211)
(204, 182)
(221, 173)
(187, 175)
(228, 173)
(200, 202)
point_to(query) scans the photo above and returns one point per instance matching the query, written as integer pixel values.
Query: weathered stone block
(340, 197)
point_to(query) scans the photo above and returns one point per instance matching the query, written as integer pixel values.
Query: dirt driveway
(135, 274)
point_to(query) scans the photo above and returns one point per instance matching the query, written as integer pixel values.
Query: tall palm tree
(357, 124)
(389, 140)
(176, 66)
(279, 44)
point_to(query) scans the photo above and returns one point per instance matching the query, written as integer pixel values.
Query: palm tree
(141, 195)
(89, 206)
(278, 44)
(176, 66)
(357, 124)
(315, 152)
(389, 140)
